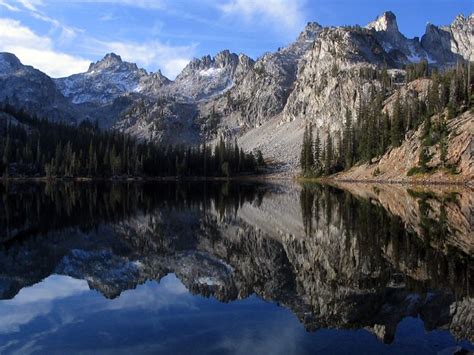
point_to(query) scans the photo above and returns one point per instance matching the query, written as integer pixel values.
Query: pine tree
(348, 145)
(309, 155)
(317, 153)
(424, 158)
(397, 124)
(7, 151)
(304, 151)
(328, 155)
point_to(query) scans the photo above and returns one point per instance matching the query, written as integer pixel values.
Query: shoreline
(388, 182)
(263, 177)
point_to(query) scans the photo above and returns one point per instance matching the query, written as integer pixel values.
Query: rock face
(330, 78)
(385, 28)
(161, 120)
(29, 88)
(449, 43)
(210, 76)
(264, 90)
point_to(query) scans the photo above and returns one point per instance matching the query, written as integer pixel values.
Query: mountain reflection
(347, 257)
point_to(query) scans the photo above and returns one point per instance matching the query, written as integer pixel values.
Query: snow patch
(211, 72)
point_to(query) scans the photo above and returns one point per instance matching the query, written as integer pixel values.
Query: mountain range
(264, 103)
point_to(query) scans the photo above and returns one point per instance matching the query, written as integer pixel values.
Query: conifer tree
(317, 153)
(309, 155)
(348, 146)
(328, 154)
(303, 159)
(396, 130)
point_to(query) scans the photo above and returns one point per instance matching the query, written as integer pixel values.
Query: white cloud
(152, 54)
(38, 51)
(282, 14)
(32, 8)
(42, 53)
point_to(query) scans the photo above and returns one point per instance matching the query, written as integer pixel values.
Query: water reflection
(353, 257)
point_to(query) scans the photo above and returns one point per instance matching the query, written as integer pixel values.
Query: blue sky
(62, 37)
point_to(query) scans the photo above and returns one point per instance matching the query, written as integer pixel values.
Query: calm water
(235, 268)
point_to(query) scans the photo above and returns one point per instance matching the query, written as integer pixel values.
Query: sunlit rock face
(335, 259)
(210, 76)
(450, 43)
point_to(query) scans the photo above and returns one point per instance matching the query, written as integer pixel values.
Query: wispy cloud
(36, 50)
(9, 6)
(145, 4)
(32, 7)
(282, 14)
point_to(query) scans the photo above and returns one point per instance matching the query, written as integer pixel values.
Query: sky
(62, 37)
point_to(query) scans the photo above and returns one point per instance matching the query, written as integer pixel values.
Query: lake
(235, 268)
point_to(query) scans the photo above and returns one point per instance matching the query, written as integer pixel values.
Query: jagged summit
(208, 76)
(386, 22)
(462, 19)
(310, 31)
(107, 79)
(111, 61)
(9, 62)
(220, 60)
(448, 44)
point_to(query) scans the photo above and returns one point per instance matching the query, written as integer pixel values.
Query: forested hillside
(38, 147)
(427, 103)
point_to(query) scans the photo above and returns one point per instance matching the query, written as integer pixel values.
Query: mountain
(107, 80)
(449, 43)
(211, 76)
(263, 90)
(30, 89)
(324, 73)
(386, 31)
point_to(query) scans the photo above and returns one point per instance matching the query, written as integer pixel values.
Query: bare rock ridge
(32, 90)
(263, 103)
(386, 30)
(107, 80)
(387, 22)
(210, 76)
(457, 38)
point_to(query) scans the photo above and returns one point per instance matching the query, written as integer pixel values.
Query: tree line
(57, 205)
(375, 130)
(38, 147)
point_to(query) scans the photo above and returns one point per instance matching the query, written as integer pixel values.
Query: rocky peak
(245, 60)
(447, 44)
(386, 22)
(111, 61)
(9, 63)
(210, 76)
(462, 20)
(221, 60)
(310, 32)
(225, 58)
